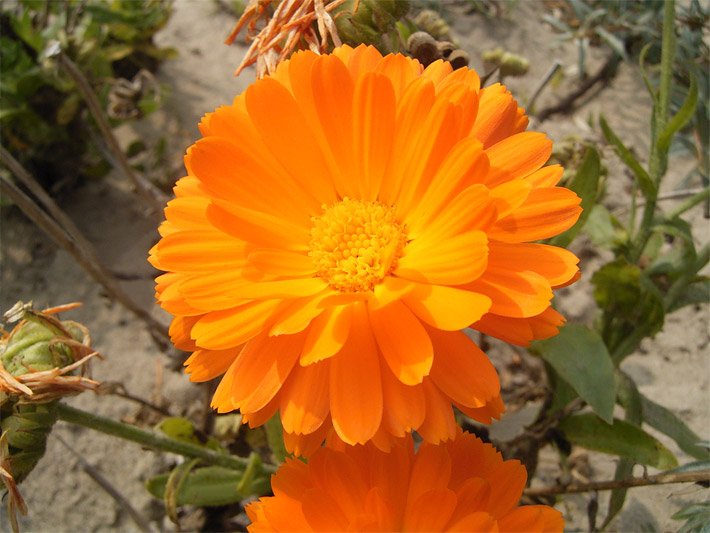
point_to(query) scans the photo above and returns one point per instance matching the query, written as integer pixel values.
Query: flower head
(341, 223)
(460, 485)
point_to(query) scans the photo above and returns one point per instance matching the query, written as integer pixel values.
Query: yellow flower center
(355, 244)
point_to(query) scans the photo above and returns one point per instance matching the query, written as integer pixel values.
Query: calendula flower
(340, 224)
(459, 485)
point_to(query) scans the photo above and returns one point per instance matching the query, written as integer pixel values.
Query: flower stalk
(151, 439)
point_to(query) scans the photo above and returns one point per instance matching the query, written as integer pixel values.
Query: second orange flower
(340, 224)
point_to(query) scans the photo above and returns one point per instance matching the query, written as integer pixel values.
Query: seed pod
(431, 22)
(445, 48)
(513, 65)
(423, 47)
(458, 59)
(371, 20)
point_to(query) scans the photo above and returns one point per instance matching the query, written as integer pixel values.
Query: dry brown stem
(658, 479)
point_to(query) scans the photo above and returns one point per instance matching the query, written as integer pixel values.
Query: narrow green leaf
(644, 181)
(695, 293)
(580, 357)
(630, 397)
(665, 421)
(680, 119)
(603, 228)
(613, 41)
(693, 466)
(585, 183)
(622, 439)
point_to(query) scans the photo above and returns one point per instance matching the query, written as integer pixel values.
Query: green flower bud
(431, 22)
(25, 428)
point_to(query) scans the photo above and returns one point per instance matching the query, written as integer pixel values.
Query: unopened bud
(431, 22)
(423, 47)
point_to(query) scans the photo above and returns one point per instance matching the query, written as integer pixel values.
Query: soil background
(673, 369)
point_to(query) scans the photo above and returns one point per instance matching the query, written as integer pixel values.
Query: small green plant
(42, 113)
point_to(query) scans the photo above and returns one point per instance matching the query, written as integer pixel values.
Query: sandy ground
(672, 368)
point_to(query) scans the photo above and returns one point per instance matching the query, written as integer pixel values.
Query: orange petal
(455, 261)
(479, 522)
(262, 368)
(439, 424)
(507, 484)
(323, 512)
(204, 365)
(545, 213)
(355, 384)
(403, 341)
(199, 251)
(548, 176)
(326, 335)
(462, 371)
(431, 471)
(521, 331)
(532, 518)
(337, 474)
(298, 314)
(555, 264)
(465, 164)
(289, 140)
(305, 445)
(446, 308)
(486, 414)
(274, 262)
(404, 405)
(180, 332)
(517, 156)
(304, 399)
(373, 130)
(220, 330)
(497, 115)
(516, 294)
(431, 512)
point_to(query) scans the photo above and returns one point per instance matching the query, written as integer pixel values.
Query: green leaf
(665, 421)
(622, 439)
(580, 357)
(613, 41)
(697, 516)
(585, 183)
(603, 229)
(644, 181)
(695, 293)
(680, 119)
(693, 466)
(181, 428)
(207, 486)
(275, 438)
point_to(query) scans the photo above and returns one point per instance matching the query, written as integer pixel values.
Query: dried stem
(152, 196)
(86, 261)
(658, 479)
(105, 484)
(606, 71)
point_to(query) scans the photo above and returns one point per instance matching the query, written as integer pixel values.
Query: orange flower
(340, 223)
(460, 485)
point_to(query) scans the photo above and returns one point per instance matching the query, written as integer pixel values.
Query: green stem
(690, 203)
(658, 161)
(151, 439)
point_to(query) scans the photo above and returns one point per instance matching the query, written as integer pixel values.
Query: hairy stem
(151, 439)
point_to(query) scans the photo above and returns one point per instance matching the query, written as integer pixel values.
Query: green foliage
(208, 486)
(620, 438)
(42, 114)
(696, 516)
(586, 184)
(590, 371)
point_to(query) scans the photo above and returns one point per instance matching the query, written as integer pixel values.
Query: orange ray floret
(460, 485)
(341, 222)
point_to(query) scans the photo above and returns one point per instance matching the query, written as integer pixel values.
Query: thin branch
(606, 71)
(152, 439)
(658, 479)
(557, 65)
(153, 197)
(105, 484)
(47, 202)
(94, 269)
